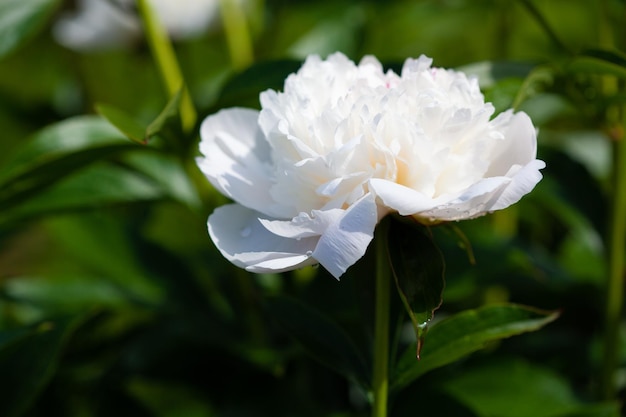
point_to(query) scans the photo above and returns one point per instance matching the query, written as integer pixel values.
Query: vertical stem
(616, 126)
(237, 33)
(615, 285)
(163, 53)
(380, 379)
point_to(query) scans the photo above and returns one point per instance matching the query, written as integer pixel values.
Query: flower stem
(237, 33)
(166, 61)
(615, 285)
(616, 127)
(380, 379)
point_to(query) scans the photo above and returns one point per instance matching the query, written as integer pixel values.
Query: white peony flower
(102, 24)
(314, 171)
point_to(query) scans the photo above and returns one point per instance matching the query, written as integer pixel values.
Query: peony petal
(304, 225)
(473, 202)
(345, 241)
(242, 239)
(519, 145)
(406, 201)
(236, 159)
(522, 183)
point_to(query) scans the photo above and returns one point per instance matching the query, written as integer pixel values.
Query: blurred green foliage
(114, 302)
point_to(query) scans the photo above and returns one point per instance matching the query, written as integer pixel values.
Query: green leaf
(418, 268)
(489, 72)
(516, 388)
(167, 173)
(169, 399)
(55, 152)
(594, 410)
(598, 61)
(171, 111)
(93, 240)
(19, 20)
(28, 360)
(96, 186)
(465, 333)
(536, 81)
(124, 122)
(320, 337)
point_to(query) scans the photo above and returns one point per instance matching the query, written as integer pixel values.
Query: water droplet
(245, 232)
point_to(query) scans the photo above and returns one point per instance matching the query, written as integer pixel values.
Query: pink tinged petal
(236, 159)
(521, 184)
(244, 241)
(346, 239)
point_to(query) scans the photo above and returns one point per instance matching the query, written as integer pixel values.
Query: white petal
(473, 202)
(304, 225)
(236, 159)
(522, 183)
(406, 201)
(519, 145)
(242, 239)
(345, 241)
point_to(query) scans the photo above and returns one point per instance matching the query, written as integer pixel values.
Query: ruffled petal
(471, 203)
(518, 146)
(304, 225)
(404, 200)
(237, 159)
(345, 240)
(244, 241)
(522, 183)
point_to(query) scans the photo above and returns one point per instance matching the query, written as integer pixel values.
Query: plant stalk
(615, 119)
(617, 268)
(167, 64)
(380, 378)
(237, 33)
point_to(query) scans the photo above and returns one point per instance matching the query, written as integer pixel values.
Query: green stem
(163, 53)
(615, 285)
(541, 20)
(616, 244)
(237, 33)
(380, 379)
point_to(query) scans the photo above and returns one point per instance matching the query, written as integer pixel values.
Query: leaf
(135, 130)
(55, 152)
(124, 122)
(418, 268)
(28, 360)
(490, 72)
(535, 82)
(467, 332)
(95, 186)
(19, 20)
(321, 337)
(515, 388)
(171, 111)
(598, 61)
(168, 399)
(167, 173)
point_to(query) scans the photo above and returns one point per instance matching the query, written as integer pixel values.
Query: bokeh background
(114, 301)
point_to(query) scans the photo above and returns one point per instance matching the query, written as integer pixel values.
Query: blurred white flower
(314, 171)
(104, 24)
